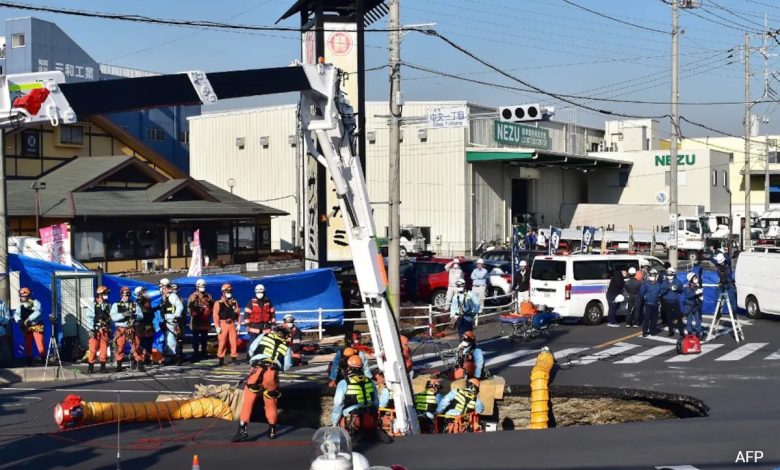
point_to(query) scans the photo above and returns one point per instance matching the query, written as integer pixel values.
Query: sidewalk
(36, 374)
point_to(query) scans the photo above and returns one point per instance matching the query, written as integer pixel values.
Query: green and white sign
(682, 159)
(516, 135)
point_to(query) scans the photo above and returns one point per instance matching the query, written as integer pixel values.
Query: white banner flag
(196, 263)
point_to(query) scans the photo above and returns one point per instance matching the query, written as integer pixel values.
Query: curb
(36, 374)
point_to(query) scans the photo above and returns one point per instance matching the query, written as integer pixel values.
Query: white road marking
(742, 352)
(559, 355)
(705, 348)
(645, 355)
(307, 370)
(619, 348)
(513, 355)
(773, 357)
(98, 390)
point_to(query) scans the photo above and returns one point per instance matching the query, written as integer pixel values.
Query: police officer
(144, 328)
(356, 395)
(124, 315)
(259, 314)
(464, 308)
(692, 298)
(672, 289)
(100, 319)
(29, 318)
(725, 280)
(615, 289)
(463, 401)
(470, 359)
(200, 305)
(632, 287)
(426, 403)
(269, 354)
(650, 293)
(523, 281)
(226, 313)
(172, 311)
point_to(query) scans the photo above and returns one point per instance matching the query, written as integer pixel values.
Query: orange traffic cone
(195, 462)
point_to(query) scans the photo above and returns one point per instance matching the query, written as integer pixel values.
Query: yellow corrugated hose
(99, 412)
(540, 389)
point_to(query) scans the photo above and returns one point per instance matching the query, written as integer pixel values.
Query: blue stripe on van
(575, 290)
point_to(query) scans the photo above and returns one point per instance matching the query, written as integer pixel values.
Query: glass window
(548, 270)
(120, 245)
(657, 265)
(223, 241)
(623, 178)
(185, 238)
(714, 177)
(244, 236)
(265, 236)
(88, 246)
(725, 179)
(71, 135)
(151, 243)
(623, 264)
(591, 270)
(154, 134)
(184, 137)
(17, 40)
(692, 226)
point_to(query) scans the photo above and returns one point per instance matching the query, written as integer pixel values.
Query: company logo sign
(682, 159)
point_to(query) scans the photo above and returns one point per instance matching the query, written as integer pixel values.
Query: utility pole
(675, 137)
(5, 289)
(766, 173)
(748, 104)
(394, 158)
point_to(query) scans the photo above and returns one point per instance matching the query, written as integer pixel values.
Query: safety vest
(227, 311)
(359, 391)
(26, 309)
(465, 401)
(425, 402)
(261, 312)
(275, 348)
(102, 315)
(124, 307)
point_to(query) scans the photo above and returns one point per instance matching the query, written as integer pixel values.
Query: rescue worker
(339, 368)
(692, 299)
(455, 274)
(463, 308)
(650, 293)
(100, 320)
(426, 403)
(6, 343)
(269, 355)
(355, 403)
(632, 287)
(615, 289)
(386, 402)
(144, 328)
(406, 352)
(124, 315)
(172, 311)
(672, 289)
(725, 280)
(259, 314)
(200, 305)
(294, 339)
(30, 319)
(470, 360)
(226, 314)
(479, 278)
(461, 403)
(523, 282)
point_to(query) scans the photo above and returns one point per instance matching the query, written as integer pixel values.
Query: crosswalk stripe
(773, 357)
(559, 355)
(320, 368)
(741, 352)
(645, 355)
(510, 356)
(705, 348)
(619, 348)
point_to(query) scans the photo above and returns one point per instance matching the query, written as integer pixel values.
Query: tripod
(739, 335)
(53, 347)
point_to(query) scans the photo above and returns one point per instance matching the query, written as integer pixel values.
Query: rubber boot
(233, 361)
(221, 361)
(241, 434)
(272, 431)
(141, 367)
(91, 369)
(103, 368)
(178, 360)
(133, 364)
(119, 366)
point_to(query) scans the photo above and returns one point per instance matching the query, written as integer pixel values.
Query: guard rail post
(431, 324)
(319, 323)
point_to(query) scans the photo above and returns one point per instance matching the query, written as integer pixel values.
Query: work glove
(219, 330)
(700, 292)
(27, 323)
(332, 384)
(674, 288)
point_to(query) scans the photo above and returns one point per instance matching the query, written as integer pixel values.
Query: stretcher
(528, 327)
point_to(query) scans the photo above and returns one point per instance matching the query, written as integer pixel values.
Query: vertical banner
(588, 234)
(630, 238)
(56, 240)
(555, 239)
(311, 243)
(517, 240)
(196, 263)
(603, 241)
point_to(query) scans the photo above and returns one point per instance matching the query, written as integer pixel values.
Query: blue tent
(710, 280)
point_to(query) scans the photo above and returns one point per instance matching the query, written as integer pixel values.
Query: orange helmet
(469, 336)
(124, 290)
(227, 288)
(102, 290)
(473, 384)
(348, 352)
(354, 362)
(24, 292)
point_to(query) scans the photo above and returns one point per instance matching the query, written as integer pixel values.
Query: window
(264, 232)
(548, 270)
(17, 40)
(725, 179)
(244, 236)
(731, 158)
(120, 245)
(154, 134)
(623, 264)
(71, 135)
(714, 177)
(772, 157)
(223, 241)
(623, 178)
(183, 248)
(88, 246)
(591, 270)
(184, 137)
(150, 243)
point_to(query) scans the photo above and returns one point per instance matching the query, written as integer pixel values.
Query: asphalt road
(738, 381)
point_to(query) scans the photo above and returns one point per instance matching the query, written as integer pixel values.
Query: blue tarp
(710, 280)
(308, 290)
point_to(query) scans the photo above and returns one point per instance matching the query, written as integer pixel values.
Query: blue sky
(549, 43)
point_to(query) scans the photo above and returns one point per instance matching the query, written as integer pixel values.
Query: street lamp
(231, 182)
(38, 186)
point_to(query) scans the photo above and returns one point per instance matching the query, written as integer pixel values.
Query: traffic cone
(195, 462)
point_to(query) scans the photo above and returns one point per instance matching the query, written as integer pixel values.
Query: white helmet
(456, 261)
(139, 290)
(289, 318)
(523, 263)
(480, 261)
(165, 282)
(690, 276)
(720, 258)
(631, 271)
(200, 283)
(671, 271)
(643, 262)
(259, 289)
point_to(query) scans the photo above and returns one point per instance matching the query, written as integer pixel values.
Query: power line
(638, 26)
(727, 10)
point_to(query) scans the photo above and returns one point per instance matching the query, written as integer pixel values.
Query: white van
(757, 278)
(576, 286)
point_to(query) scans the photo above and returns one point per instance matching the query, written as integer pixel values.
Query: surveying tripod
(717, 317)
(53, 347)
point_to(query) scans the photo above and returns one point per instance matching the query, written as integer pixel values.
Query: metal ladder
(736, 326)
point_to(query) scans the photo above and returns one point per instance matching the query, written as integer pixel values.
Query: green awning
(531, 157)
(492, 156)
